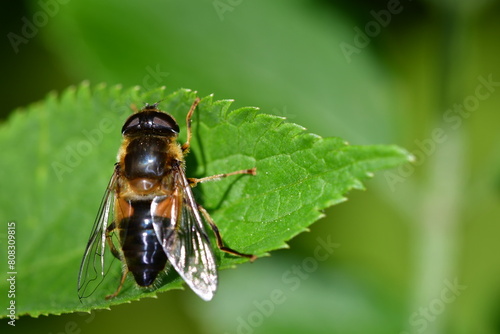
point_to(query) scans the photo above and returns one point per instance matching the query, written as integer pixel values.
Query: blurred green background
(417, 252)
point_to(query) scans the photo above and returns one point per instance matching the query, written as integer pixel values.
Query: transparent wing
(179, 228)
(92, 269)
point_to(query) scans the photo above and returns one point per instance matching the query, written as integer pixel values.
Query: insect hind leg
(218, 238)
(116, 253)
(122, 281)
(109, 239)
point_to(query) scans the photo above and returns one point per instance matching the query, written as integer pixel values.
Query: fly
(148, 217)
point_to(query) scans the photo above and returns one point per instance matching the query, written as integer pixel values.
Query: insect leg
(111, 245)
(116, 254)
(134, 108)
(193, 182)
(220, 243)
(124, 275)
(185, 146)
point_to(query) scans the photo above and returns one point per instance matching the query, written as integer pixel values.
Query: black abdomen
(143, 253)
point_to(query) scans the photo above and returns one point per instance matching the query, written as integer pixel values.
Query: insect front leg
(218, 238)
(185, 147)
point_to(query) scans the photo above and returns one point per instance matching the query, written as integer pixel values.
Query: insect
(148, 216)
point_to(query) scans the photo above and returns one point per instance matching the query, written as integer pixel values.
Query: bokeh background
(416, 253)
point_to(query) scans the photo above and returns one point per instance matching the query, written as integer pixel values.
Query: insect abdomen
(143, 253)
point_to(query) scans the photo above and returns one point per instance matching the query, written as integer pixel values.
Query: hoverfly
(149, 217)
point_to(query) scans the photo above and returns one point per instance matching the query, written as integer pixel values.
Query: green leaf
(58, 156)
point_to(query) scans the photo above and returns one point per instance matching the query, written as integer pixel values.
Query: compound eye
(150, 122)
(132, 122)
(165, 122)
